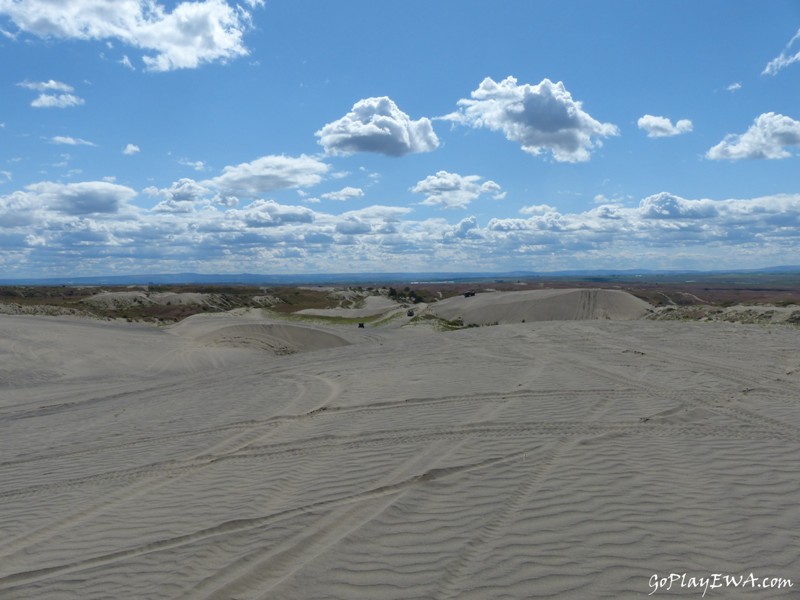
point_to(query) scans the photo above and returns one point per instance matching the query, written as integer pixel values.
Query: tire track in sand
(451, 585)
(486, 429)
(747, 417)
(21, 578)
(262, 570)
(149, 479)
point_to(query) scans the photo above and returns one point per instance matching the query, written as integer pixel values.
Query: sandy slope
(569, 459)
(541, 305)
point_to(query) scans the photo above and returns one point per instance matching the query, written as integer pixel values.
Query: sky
(311, 136)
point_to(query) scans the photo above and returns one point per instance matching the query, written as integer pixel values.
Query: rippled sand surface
(563, 459)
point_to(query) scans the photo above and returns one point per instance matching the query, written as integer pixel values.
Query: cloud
(542, 118)
(377, 125)
(268, 213)
(379, 213)
(668, 206)
(185, 189)
(70, 141)
(346, 193)
(46, 86)
(49, 100)
(537, 209)
(465, 228)
(57, 101)
(353, 226)
(662, 126)
(269, 173)
(734, 87)
(376, 220)
(660, 223)
(181, 196)
(451, 190)
(197, 165)
(191, 34)
(92, 228)
(225, 200)
(86, 198)
(784, 59)
(131, 149)
(767, 137)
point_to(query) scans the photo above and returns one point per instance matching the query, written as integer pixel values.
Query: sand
(373, 305)
(541, 305)
(554, 459)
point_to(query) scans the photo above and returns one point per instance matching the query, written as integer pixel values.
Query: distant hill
(368, 278)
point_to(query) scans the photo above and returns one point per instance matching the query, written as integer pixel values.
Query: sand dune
(560, 459)
(542, 305)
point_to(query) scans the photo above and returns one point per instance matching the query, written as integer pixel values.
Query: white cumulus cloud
(451, 190)
(189, 35)
(181, 196)
(669, 206)
(268, 213)
(537, 209)
(767, 137)
(131, 149)
(657, 126)
(377, 125)
(85, 198)
(57, 101)
(269, 173)
(46, 99)
(46, 86)
(353, 225)
(542, 118)
(345, 193)
(465, 228)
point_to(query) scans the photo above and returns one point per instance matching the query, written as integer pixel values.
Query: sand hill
(542, 305)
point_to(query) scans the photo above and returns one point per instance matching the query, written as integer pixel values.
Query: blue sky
(299, 136)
